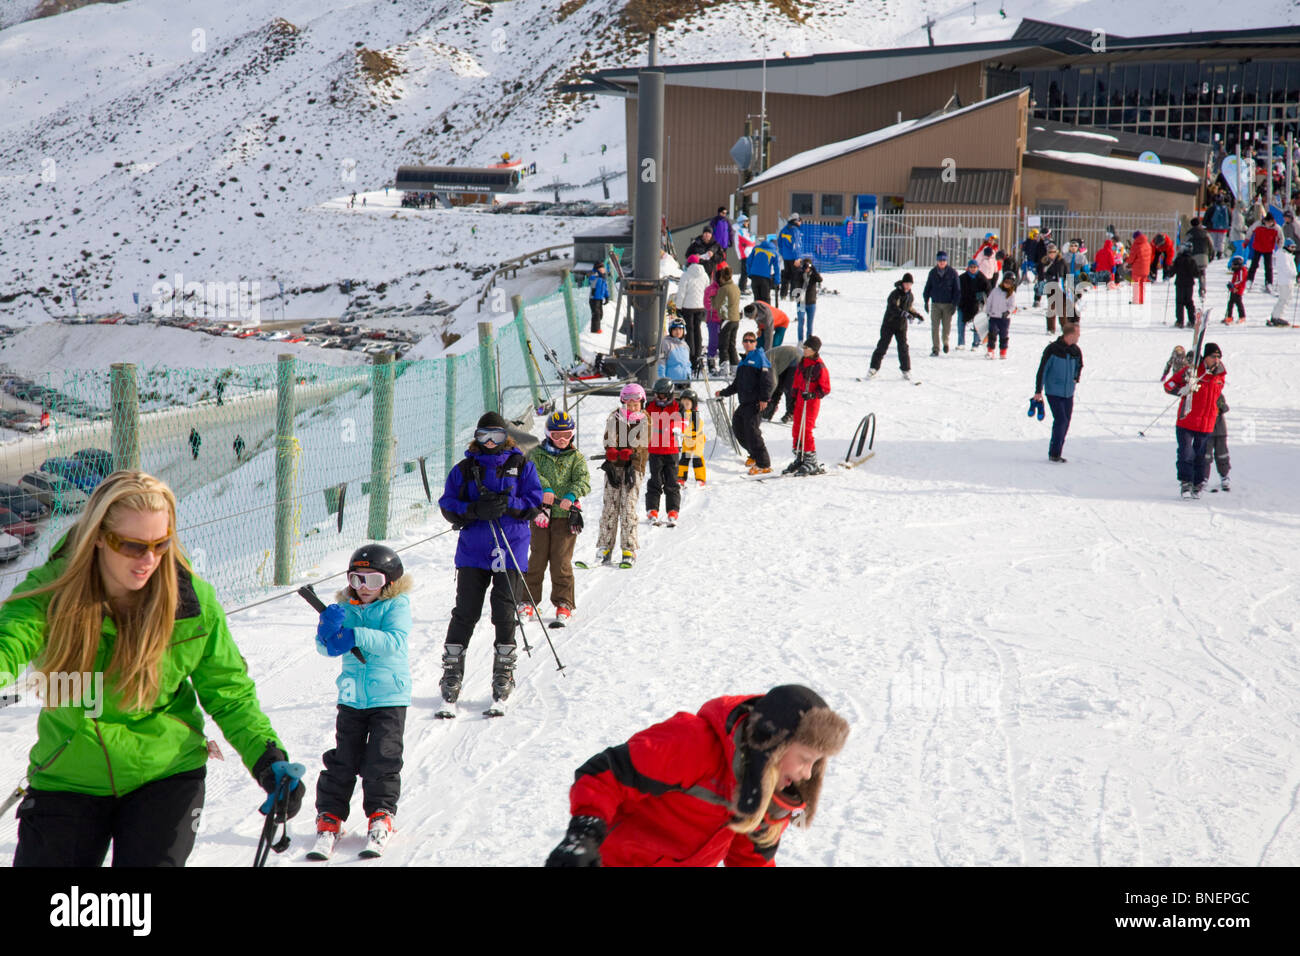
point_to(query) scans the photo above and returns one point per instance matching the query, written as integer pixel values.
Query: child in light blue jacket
(368, 628)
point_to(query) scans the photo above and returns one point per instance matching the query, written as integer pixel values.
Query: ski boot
(810, 465)
(562, 613)
(381, 829)
(527, 611)
(1184, 489)
(1197, 489)
(629, 559)
(329, 830)
(907, 376)
(787, 418)
(453, 672)
(652, 516)
(795, 465)
(1224, 485)
(755, 470)
(871, 373)
(503, 670)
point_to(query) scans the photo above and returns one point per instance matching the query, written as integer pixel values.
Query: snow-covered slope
(1043, 664)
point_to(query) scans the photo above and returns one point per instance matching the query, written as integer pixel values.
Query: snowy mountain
(151, 138)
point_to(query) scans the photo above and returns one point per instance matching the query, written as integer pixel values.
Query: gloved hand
(615, 472)
(331, 619)
(807, 396)
(341, 643)
(265, 778)
(575, 519)
(542, 521)
(489, 507)
(581, 844)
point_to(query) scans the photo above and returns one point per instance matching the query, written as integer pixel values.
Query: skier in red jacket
(811, 384)
(1197, 418)
(701, 789)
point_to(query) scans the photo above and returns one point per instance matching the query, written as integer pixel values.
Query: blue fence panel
(840, 248)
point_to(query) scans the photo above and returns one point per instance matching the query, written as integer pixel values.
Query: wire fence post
(284, 453)
(381, 445)
(487, 366)
(517, 302)
(124, 398)
(570, 312)
(449, 413)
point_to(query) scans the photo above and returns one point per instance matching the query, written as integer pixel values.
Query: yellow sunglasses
(134, 548)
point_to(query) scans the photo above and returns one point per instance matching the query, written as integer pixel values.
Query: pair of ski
(451, 711)
(606, 562)
(327, 843)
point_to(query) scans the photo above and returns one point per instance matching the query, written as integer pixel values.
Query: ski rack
(864, 434)
(722, 423)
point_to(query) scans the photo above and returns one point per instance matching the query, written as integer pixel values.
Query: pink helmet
(632, 392)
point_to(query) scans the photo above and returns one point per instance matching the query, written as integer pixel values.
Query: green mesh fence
(212, 436)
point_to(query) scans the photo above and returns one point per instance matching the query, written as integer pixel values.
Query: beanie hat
(1211, 349)
(789, 714)
(1136, 234)
(814, 343)
(941, 255)
(692, 258)
(972, 263)
(907, 277)
(492, 420)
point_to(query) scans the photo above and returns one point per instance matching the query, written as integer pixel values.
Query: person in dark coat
(490, 497)
(784, 359)
(599, 296)
(894, 326)
(806, 282)
(941, 295)
(1051, 278)
(721, 227)
(1186, 275)
(706, 247)
(1198, 237)
(702, 789)
(195, 441)
(975, 288)
(1058, 372)
(752, 387)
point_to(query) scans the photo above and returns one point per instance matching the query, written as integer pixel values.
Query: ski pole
(514, 602)
(510, 551)
(1142, 431)
(19, 792)
(287, 777)
(308, 594)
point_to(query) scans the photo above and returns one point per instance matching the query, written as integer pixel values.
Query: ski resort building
(1186, 98)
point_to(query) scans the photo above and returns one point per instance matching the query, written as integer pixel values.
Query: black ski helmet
(689, 393)
(663, 387)
(377, 557)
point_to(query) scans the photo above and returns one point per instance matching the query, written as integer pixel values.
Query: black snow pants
(663, 480)
(367, 744)
(471, 586)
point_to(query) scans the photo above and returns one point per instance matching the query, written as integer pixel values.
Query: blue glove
(331, 619)
(341, 643)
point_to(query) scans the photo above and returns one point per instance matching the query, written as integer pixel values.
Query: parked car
(16, 499)
(99, 459)
(80, 473)
(10, 547)
(52, 490)
(13, 524)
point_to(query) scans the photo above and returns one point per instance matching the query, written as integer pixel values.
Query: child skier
(812, 383)
(665, 417)
(1216, 449)
(1236, 288)
(693, 438)
(373, 615)
(1000, 305)
(675, 353)
(490, 497)
(627, 434)
(565, 479)
(1286, 279)
(1177, 362)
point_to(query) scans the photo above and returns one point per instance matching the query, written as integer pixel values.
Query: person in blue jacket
(790, 245)
(368, 627)
(941, 295)
(675, 354)
(599, 296)
(764, 269)
(491, 497)
(1058, 373)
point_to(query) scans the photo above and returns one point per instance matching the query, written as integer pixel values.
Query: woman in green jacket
(565, 479)
(127, 643)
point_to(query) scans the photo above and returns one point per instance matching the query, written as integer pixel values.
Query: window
(833, 205)
(802, 203)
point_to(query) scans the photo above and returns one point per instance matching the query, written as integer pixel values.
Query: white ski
(326, 844)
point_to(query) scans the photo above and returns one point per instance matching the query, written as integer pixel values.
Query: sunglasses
(370, 580)
(750, 341)
(494, 435)
(134, 548)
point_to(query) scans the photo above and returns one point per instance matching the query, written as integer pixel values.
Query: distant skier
(744, 247)
(372, 614)
(239, 448)
(1196, 426)
(1139, 262)
(806, 283)
(195, 441)
(1236, 289)
(702, 789)
(1000, 305)
(221, 390)
(599, 296)
(894, 326)
(627, 439)
(690, 307)
(490, 497)
(940, 297)
(752, 386)
(725, 304)
(664, 448)
(1285, 284)
(674, 354)
(763, 268)
(693, 439)
(711, 255)
(974, 290)
(721, 231)
(1186, 276)
(1058, 372)
(1216, 449)
(790, 245)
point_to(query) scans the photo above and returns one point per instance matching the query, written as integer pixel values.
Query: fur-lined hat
(789, 714)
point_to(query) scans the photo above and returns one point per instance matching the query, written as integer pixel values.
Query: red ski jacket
(811, 376)
(665, 427)
(1238, 281)
(1139, 257)
(1263, 238)
(1205, 401)
(1106, 257)
(665, 794)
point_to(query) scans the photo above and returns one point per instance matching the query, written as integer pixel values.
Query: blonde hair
(75, 616)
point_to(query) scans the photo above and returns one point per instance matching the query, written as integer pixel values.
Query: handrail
(513, 265)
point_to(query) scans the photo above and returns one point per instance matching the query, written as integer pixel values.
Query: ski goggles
(135, 548)
(370, 580)
(496, 436)
(566, 434)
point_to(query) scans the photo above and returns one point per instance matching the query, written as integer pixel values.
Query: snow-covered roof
(1078, 132)
(822, 154)
(1126, 165)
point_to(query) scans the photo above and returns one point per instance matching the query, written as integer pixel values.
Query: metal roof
(971, 187)
(1040, 30)
(1123, 176)
(1053, 135)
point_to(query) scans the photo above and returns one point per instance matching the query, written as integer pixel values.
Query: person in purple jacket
(491, 496)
